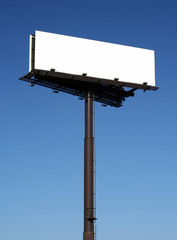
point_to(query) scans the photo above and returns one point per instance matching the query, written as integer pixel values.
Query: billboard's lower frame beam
(88, 170)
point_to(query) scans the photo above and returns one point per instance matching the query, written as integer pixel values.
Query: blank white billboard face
(97, 59)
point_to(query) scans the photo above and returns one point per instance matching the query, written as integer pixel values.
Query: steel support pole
(88, 170)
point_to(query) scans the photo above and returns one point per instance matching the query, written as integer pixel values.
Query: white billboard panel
(96, 59)
(30, 52)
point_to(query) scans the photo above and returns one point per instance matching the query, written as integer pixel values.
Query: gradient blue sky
(41, 144)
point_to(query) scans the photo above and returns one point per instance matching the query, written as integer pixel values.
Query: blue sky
(41, 154)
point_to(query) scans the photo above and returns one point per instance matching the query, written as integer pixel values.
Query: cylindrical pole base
(88, 236)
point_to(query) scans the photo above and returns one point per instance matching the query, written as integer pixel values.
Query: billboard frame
(106, 91)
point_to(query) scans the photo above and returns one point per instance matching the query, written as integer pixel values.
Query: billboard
(102, 60)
